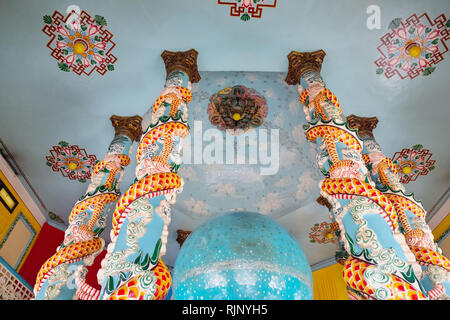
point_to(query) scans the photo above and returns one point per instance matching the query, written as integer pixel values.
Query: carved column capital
(324, 202)
(302, 62)
(182, 235)
(129, 126)
(364, 125)
(185, 61)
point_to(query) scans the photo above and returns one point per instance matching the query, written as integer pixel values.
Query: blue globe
(241, 256)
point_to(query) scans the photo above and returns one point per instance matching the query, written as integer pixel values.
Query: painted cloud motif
(197, 206)
(224, 190)
(269, 203)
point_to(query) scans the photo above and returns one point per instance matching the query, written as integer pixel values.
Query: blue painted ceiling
(41, 105)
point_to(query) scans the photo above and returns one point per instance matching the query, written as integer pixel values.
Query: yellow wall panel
(20, 215)
(439, 231)
(442, 227)
(328, 283)
(445, 246)
(18, 238)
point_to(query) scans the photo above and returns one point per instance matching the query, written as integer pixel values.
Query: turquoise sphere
(241, 256)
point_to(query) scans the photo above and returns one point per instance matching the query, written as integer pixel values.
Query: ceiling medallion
(79, 42)
(323, 233)
(248, 8)
(237, 109)
(72, 161)
(411, 163)
(413, 47)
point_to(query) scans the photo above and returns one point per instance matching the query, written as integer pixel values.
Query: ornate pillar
(132, 268)
(380, 264)
(182, 235)
(411, 214)
(340, 255)
(56, 278)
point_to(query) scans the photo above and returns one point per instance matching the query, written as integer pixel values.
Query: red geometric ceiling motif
(411, 163)
(81, 44)
(248, 8)
(413, 46)
(72, 161)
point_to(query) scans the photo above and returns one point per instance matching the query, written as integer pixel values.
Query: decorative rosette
(323, 233)
(413, 47)
(72, 161)
(248, 8)
(237, 109)
(83, 45)
(411, 163)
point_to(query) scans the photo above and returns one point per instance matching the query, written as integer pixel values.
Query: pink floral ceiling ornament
(323, 233)
(72, 161)
(411, 163)
(413, 47)
(248, 8)
(81, 44)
